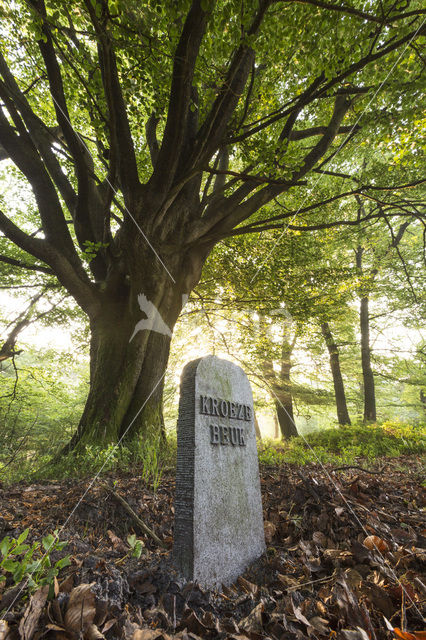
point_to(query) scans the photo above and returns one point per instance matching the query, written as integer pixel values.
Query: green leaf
(5, 546)
(131, 540)
(9, 565)
(63, 562)
(23, 536)
(48, 542)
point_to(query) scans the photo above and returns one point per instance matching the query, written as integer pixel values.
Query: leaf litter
(345, 559)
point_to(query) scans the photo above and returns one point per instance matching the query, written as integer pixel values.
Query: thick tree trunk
(127, 376)
(129, 355)
(339, 388)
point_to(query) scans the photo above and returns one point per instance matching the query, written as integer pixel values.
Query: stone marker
(218, 508)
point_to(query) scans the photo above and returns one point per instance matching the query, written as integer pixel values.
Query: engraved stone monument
(218, 509)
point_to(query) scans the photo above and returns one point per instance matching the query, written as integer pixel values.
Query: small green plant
(31, 562)
(136, 546)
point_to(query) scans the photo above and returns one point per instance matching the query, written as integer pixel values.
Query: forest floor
(323, 574)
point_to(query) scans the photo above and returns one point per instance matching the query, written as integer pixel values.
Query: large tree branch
(22, 152)
(122, 148)
(309, 227)
(42, 136)
(227, 214)
(89, 209)
(363, 15)
(179, 101)
(25, 265)
(340, 77)
(76, 283)
(151, 137)
(212, 133)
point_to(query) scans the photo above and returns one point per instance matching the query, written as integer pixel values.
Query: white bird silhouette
(153, 321)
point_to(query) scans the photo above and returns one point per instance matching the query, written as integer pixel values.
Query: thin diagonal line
(353, 512)
(95, 477)
(269, 387)
(116, 193)
(321, 177)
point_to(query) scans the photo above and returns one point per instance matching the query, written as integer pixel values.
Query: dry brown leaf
(117, 542)
(288, 581)
(107, 626)
(4, 629)
(374, 543)
(248, 587)
(319, 538)
(270, 531)
(406, 635)
(320, 625)
(93, 633)
(67, 585)
(299, 615)
(28, 624)
(253, 622)
(81, 609)
(147, 634)
(55, 586)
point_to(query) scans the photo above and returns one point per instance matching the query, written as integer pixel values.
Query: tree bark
(284, 401)
(130, 342)
(339, 388)
(367, 372)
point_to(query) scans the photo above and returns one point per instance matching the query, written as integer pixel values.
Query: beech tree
(147, 132)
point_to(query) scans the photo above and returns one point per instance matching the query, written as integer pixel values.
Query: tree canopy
(136, 135)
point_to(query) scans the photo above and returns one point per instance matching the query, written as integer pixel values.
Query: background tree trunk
(284, 401)
(339, 388)
(367, 372)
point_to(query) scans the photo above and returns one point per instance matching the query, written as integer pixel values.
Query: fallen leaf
(28, 624)
(270, 531)
(320, 625)
(406, 635)
(107, 626)
(4, 629)
(117, 542)
(319, 538)
(253, 622)
(374, 543)
(248, 587)
(67, 585)
(93, 633)
(81, 609)
(147, 634)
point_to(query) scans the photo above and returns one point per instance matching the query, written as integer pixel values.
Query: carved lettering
(214, 434)
(205, 404)
(224, 436)
(234, 436)
(225, 408)
(214, 409)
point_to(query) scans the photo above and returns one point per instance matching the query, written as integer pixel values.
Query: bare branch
(24, 265)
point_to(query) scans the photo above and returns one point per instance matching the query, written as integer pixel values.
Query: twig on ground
(134, 515)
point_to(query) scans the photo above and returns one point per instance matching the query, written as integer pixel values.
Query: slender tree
(339, 388)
